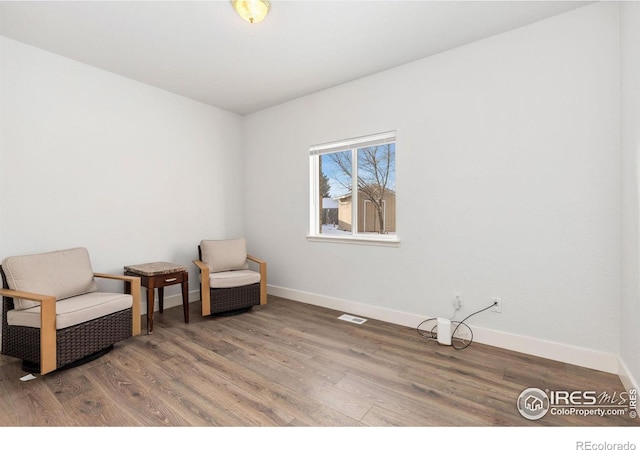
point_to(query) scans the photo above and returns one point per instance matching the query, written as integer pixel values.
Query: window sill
(377, 241)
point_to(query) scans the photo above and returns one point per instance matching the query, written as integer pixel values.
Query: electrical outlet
(457, 300)
(497, 304)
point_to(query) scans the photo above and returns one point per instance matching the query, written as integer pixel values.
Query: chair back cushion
(224, 255)
(63, 274)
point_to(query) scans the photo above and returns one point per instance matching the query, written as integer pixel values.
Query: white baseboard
(625, 376)
(578, 356)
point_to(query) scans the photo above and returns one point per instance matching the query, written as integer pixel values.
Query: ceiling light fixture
(252, 11)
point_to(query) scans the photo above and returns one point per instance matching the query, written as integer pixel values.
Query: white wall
(507, 178)
(630, 144)
(131, 172)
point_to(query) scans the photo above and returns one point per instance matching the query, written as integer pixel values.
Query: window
(353, 189)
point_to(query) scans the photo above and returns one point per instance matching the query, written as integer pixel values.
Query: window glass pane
(376, 171)
(354, 188)
(334, 186)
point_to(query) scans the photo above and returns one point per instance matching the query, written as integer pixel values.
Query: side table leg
(161, 298)
(150, 307)
(185, 300)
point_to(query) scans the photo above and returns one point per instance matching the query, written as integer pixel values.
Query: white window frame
(314, 195)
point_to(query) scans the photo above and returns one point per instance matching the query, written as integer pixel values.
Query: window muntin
(357, 172)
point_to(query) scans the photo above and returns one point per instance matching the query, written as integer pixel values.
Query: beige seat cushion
(224, 255)
(62, 274)
(233, 278)
(74, 310)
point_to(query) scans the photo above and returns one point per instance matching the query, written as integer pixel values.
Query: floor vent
(352, 319)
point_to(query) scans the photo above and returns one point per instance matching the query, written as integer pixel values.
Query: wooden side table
(158, 275)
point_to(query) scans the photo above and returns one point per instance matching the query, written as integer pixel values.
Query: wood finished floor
(292, 364)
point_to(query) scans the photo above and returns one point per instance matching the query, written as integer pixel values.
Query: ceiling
(203, 50)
